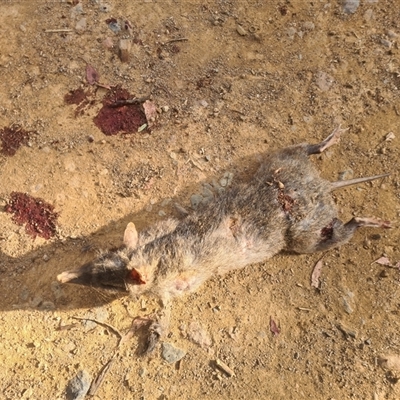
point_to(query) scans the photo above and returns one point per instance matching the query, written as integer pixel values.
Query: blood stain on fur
(119, 113)
(327, 231)
(37, 215)
(12, 138)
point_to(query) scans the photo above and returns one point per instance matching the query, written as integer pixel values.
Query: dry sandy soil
(248, 77)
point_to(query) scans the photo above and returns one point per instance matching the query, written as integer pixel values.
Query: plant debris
(119, 113)
(37, 215)
(274, 327)
(223, 367)
(12, 138)
(316, 274)
(92, 76)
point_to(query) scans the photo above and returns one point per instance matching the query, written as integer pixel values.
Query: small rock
(309, 26)
(108, 43)
(195, 200)
(199, 335)
(350, 6)
(171, 354)
(345, 175)
(391, 362)
(99, 314)
(81, 25)
(79, 386)
(76, 10)
(368, 15)
(240, 30)
(392, 34)
(203, 103)
(114, 25)
(291, 32)
(165, 109)
(386, 43)
(348, 301)
(389, 137)
(324, 81)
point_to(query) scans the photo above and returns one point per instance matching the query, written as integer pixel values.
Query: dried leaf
(383, 261)
(92, 75)
(316, 274)
(274, 327)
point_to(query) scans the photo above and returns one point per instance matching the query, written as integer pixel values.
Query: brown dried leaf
(92, 75)
(316, 274)
(274, 327)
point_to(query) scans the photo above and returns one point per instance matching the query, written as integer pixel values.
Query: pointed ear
(131, 236)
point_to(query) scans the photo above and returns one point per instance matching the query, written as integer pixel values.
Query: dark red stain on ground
(117, 116)
(75, 96)
(12, 138)
(37, 215)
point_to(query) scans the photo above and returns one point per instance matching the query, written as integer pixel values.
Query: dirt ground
(243, 78)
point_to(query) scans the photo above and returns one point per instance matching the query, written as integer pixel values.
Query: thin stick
(100, 377)
(66, 30)
(176, 40)
(114, 330)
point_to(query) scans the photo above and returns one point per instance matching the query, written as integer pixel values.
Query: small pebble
(386, 43)
(345, 175)
(324, 81)
(309, 26)
(368, 15)
(171, 354)
(79, 386)
(350, 6)
(81, 25)
(240, 30)
(291, 32)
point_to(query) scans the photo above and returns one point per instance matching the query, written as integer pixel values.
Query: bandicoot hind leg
(332, 139)
(337, 233)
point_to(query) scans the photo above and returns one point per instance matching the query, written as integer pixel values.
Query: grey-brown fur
(286, 206)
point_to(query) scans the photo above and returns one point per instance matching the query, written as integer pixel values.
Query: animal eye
(135, 277)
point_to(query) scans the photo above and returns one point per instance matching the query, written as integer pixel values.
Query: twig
(222, 366)
(66, 30)
(114, 330)
(100, 377)
(175, 40)
(136, 100)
